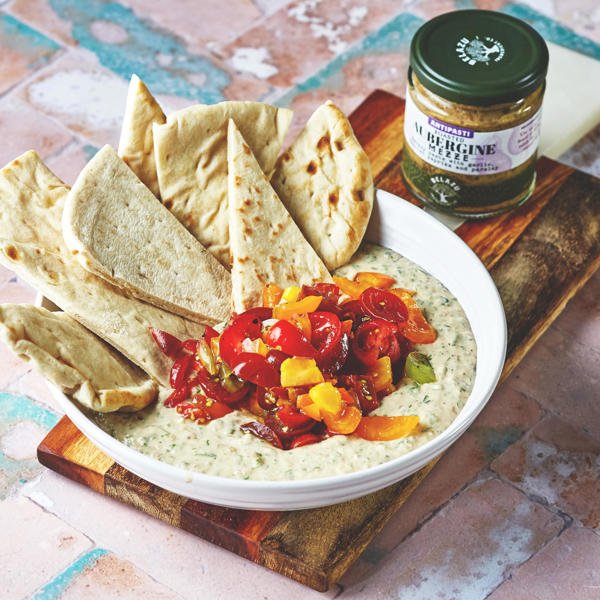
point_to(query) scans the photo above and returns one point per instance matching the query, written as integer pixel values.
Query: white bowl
(410, 231)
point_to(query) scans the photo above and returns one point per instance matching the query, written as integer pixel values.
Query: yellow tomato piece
(271, 295)
(302, 322)
(351, 288)
(377, 280)
(384, 429)
(346, 421)
(381, 372)
(290, 294)
(327, 397)
(306, 305)
(300, 371)
(308, 407)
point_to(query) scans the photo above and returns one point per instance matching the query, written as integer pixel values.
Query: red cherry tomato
(254, 368)
(364, 389)
(246, 325)
(383, 305)
(371, 340)
(285, 432)
(214, 390)
(354, 311)
(264, 432)
(275, 358)
(168, 344)
(293, 418)
(328, 291)
(290, 340)
(305, 440)
(179, 370)
(209, 333)
(326, 331)
(179, 395)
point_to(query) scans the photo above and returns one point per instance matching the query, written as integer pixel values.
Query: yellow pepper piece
(381, 372)
(306, 305)
(214, 344)
(290, 294)
(327, 397)
(300, 371)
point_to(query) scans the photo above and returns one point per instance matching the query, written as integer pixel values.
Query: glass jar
(473, 108)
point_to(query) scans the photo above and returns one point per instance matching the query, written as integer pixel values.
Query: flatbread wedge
(324, 180)
(31, 244)
(118, 230)
(78, 362)
(266, 244)
(136, 145)
(191, 161)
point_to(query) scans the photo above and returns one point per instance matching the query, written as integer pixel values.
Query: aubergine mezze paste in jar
(473, 109)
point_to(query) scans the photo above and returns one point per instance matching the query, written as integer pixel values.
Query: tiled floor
(511, 511)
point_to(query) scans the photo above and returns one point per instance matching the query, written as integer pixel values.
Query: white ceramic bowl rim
(395, 223)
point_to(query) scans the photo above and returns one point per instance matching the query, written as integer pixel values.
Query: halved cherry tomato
(209, 334)
(190, 345)
(179, 395)
(364, 388)
(349, 287)
(179, 370)
(285, 432)
(354, 311)
(290, 340)
(293, 418)
(305, 440)
(326, 334)
(329, 291)
(378, 280)
(262, 431)
(246, 325)
(344, 422)
(214, 389)
(416, 329)
(379, 428)
(255, 369)
(271, 295)
(308, 407)
(372, 339)
(203, 409)
(275, 358)
(384, 305)
(168, 344)
(381, 372)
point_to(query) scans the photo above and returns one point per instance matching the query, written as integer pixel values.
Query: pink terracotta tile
(26, 129)
(559, 464)
(582, 16)
(13, 367)
(39, 14)
(569, 567)
(184, 563)
(111, 577)
(294, 42)
(18, 292)
(6, 275)
(41, 545)
(69, 163)
(219, 22)
(82, 95)
(34, 386)
(464, 551)
(506, 418)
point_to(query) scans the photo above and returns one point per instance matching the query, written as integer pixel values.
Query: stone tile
(26, 129)
(34, 386)
(466, 550)
(69, 163)
(559, 464)
(86, 98)
(219, 23)
(40, 546)
(293, 42)
(124, 43)
(576, 552)
(505, 419)
(100, 574)
(380, 60)
(563, 375)
(17, 291)
(22, 51)
(12, 367)
(182, 562)
(23, 425)
(580, 16)
(6, 275)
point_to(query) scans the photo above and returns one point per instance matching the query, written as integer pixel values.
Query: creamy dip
(220, 448)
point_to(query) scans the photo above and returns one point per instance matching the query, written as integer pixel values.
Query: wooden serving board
(539, 256)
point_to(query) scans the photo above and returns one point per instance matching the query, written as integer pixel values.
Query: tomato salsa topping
(311, 363)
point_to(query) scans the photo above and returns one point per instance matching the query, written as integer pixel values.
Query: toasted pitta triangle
(191, 160)
(31, 244)
(266, 244)
(136, 145)
(324, 179)
(77, 361)
(118, 230)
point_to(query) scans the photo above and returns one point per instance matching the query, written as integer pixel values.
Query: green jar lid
(479, 57)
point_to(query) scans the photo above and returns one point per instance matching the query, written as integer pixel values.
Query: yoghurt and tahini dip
(331, 424)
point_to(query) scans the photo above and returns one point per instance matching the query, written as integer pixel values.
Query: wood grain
(539, 255)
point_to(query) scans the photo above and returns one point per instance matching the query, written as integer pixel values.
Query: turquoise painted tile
(25, 40)
(393, 37)
(56, 587)
(23, 425)
(142, 47)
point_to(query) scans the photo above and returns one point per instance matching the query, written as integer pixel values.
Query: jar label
(460, 150)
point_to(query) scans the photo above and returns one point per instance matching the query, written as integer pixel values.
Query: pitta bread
(324, 179)
(72, 357)
(136, 145)
(266, 244)
(191, 161)
(31, 244)
(117, 229)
